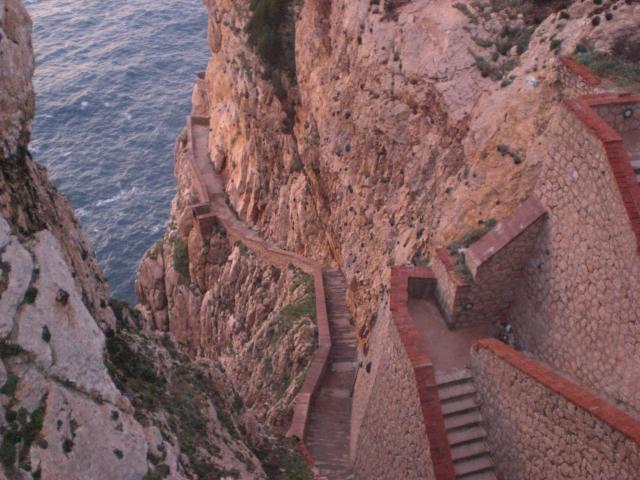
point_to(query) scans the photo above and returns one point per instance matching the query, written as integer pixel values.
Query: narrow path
(329, 421)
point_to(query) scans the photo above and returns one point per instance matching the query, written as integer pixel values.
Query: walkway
(448, 349)
(329, 420)
(449, 352)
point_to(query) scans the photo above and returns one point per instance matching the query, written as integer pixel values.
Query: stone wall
(392, 413)
(614, 114)
(578, 307)
(576, 79)
(495, 262)
(543, 426)
(395, 396)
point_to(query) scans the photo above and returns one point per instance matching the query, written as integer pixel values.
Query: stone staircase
(463, 422)
(330, 420)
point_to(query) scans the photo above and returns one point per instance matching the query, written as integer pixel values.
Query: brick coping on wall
(499, 237)
(582, 71)
(583, 108)
(580, 396)
(422, 368)
(211, 207)
(505, 232)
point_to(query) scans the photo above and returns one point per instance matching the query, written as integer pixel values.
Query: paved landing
(448, 349)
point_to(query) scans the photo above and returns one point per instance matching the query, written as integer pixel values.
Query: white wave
(81, 212)
(128, 115)
(121, 195)
(84, 104)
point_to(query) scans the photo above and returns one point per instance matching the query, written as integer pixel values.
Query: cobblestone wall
(538, 434)
(622, 117)
(579, 308)
(390, 441)
(576, 79)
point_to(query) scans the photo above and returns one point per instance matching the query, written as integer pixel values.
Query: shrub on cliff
(181, 258)
(269, 33)
(624, 73)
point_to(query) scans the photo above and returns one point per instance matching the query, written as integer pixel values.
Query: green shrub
(181, 258)
(10, 386)
(30, 295)
(473, 18)
(266, 35)
(9, 349)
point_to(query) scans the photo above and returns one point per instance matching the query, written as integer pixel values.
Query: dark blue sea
(113, 83)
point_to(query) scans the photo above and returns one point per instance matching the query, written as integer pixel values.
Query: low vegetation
(181, 258)
(623, 72)
(456, 248)
(305, 306)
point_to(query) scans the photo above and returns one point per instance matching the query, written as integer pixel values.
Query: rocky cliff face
(400, 125)
(84, 394)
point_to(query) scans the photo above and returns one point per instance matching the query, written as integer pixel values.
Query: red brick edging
(614, 147)
(571, 391)
(582, 71)
(422, 368)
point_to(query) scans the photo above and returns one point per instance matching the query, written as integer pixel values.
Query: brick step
(464, 404)
(474, 465)
(463, 420)
(460, 437)
(469, 450)
(456, 391)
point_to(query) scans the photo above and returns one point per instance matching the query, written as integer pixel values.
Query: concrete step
(460, 437)
(463, 420)
(458, 406)
(469, 450)
(455, 376)
(486, 475)
(456, 391)
(474, 465)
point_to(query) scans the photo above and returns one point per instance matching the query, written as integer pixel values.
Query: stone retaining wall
(622, 113)
(397, 424)
(576, 79)
(496, 262)
(543, 426)
(579, 307)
